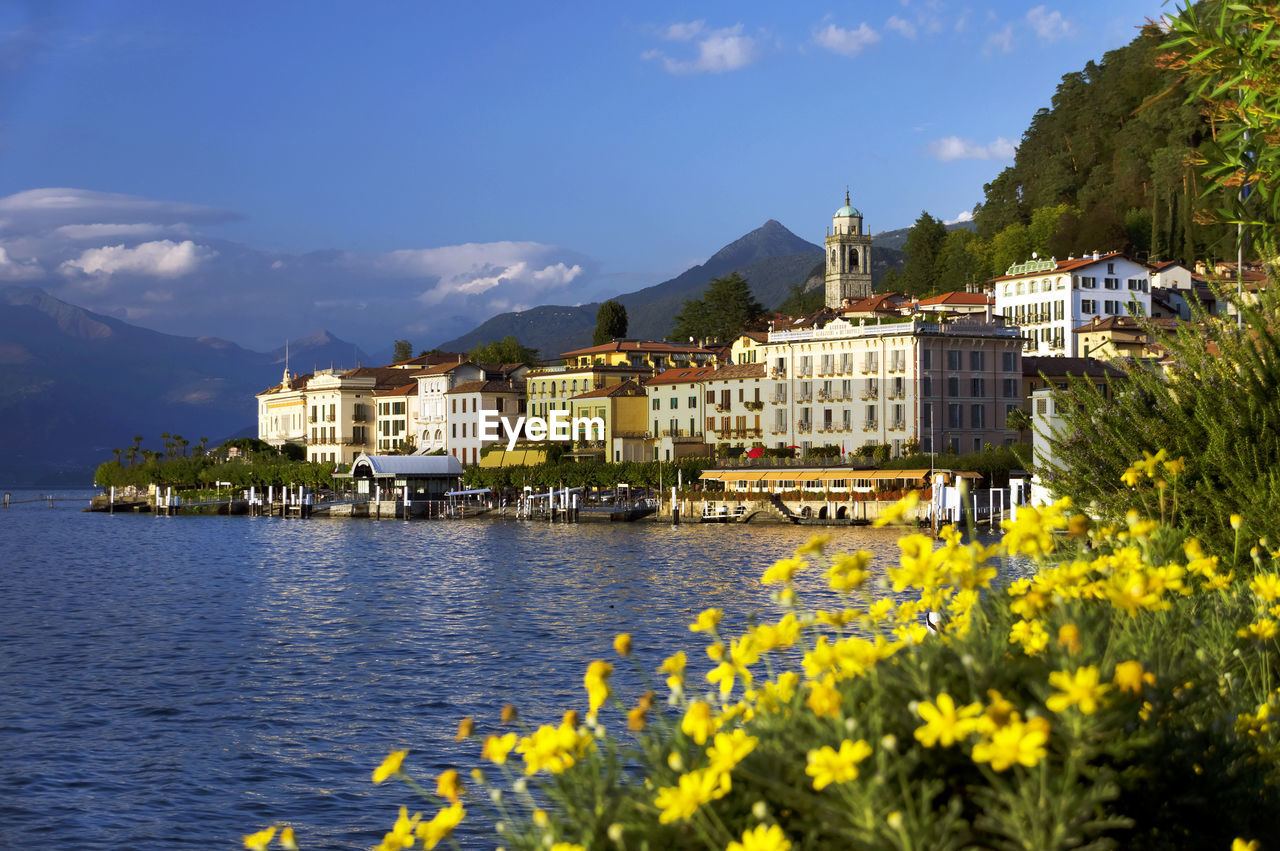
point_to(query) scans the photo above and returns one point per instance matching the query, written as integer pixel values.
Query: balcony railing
(804, 427)
(753, 406)
(804, 397)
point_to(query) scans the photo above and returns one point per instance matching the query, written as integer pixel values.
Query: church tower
(848, 256)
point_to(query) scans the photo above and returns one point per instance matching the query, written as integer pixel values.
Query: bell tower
(848, 256)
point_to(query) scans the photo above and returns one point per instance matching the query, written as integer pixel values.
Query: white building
(430, 422)
(466, 401)
(901, 384)
(1048, 299)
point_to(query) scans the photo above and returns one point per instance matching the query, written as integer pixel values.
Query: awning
(742, 476)
(473, 492)
(712, 475)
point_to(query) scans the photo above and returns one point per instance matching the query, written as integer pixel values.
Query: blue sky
(260, 170)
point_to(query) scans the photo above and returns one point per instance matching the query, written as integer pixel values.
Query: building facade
(1049, 299)
(848, 246)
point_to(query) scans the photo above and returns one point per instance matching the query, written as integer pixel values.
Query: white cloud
(684, 32)
(846, 42)
(1050, 26)
(904, 28)
(962, 216)
(18, 270)
(1001, 41)
(161, 259)
(107, 231)
(719, 51)
(51, 208)
(955, 148)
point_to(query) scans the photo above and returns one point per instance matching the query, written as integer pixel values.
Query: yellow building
(639, 354)
(282, 411)
(623, 410)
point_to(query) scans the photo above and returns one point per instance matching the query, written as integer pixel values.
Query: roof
(958, 298)
(639, 347)
(379, 466)
(878, 303)
(756, 336)
(443, 368)
(430, 359)
(297, 382)
(680, 375)
(1126, 324)
(625, 388)
(488, 386)
(848, 209)
(1068, 265)
(406, 390)
(739, 370)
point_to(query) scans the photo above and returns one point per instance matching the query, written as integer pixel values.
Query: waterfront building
(622, 409)
(1049, 299)
(677, 406)
(282, 411)
(1121, 336)
(734, 405)
(901, 384)
(426, 476)
(848, 245)
(431, 425)
(392, 418)
(340, 412)
(504, 397)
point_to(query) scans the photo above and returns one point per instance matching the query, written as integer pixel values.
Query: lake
(181, 681)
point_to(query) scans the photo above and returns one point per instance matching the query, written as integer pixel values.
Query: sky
(258, 171)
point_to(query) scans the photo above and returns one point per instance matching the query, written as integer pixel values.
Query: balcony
(869, 425)
(870, 394)
(640, 435)
(804, 397)
(898, 425)
(776, 373)
(804, 426)
(722, 409)
(753, 406)
(824, 396)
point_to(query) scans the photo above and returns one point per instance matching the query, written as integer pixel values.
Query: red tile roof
(626, 388)
(638, 346)
(1063, 266)
(959, 298)
(681, 375)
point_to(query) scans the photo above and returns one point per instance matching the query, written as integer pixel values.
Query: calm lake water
(182, 681)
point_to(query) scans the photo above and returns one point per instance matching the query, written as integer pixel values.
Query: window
(675, 403)
(1111, 308)
(711, 397)
(955, 416)
(978, 387)
(953, 359)
(926, 359)
(1057, 310)
(657, 403)
(926, 385)
(1111, 283)
(1089, 283)
(1007, 362)
(953, 386)
(1009, 388)
(1089, 305)
(871, 362)
(926, 416)
(976, 360)
(693, 401)
(871, 417)
(1138, 284)
(977, 416)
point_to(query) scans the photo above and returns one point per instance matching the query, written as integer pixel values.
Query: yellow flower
(1236, 521)
(1239, 844)
(673, 667)
(944, 723)
(1031, 635)
(1016, 743)
(707, 621)
(1129, 677)
(1031, 534)
(1130, 476)
(898, 511)
(813, 546)
(596, 681)
(441, 825)
(496, 748)
(1266, 586)
(729, 749)
(637, 716)
(622, 644)
(448, 786)
(681, 801)
(568, 846)
(260, 840)
(783, 570)
(848, 571)
(1263, 630)
(540, 818)
(827, 765)
(762, 838)
(390, 766)
(287, 842)
(553, 748)
(1079, 689)
(825, 698)
(698, 723)
(466, 727)
(1175, 467)
(1069, 637)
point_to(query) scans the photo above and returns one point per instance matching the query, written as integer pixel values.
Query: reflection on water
(176, 681)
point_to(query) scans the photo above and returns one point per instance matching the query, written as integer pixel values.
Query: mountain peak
(771, 239)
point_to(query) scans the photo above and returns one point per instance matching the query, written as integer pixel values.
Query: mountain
(75, 384)
(896, 239)
(771, 258)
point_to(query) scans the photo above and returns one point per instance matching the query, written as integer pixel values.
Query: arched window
(853, 259)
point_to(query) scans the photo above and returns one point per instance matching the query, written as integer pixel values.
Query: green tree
(611, 322)
(726, 308)
(403, 351)
(800, 301)
(924, 244)
(961, 261)
(506, 350)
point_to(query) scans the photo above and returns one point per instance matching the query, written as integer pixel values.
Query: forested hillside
(1107, 166)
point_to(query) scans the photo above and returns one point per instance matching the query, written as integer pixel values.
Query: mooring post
(6, 500)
